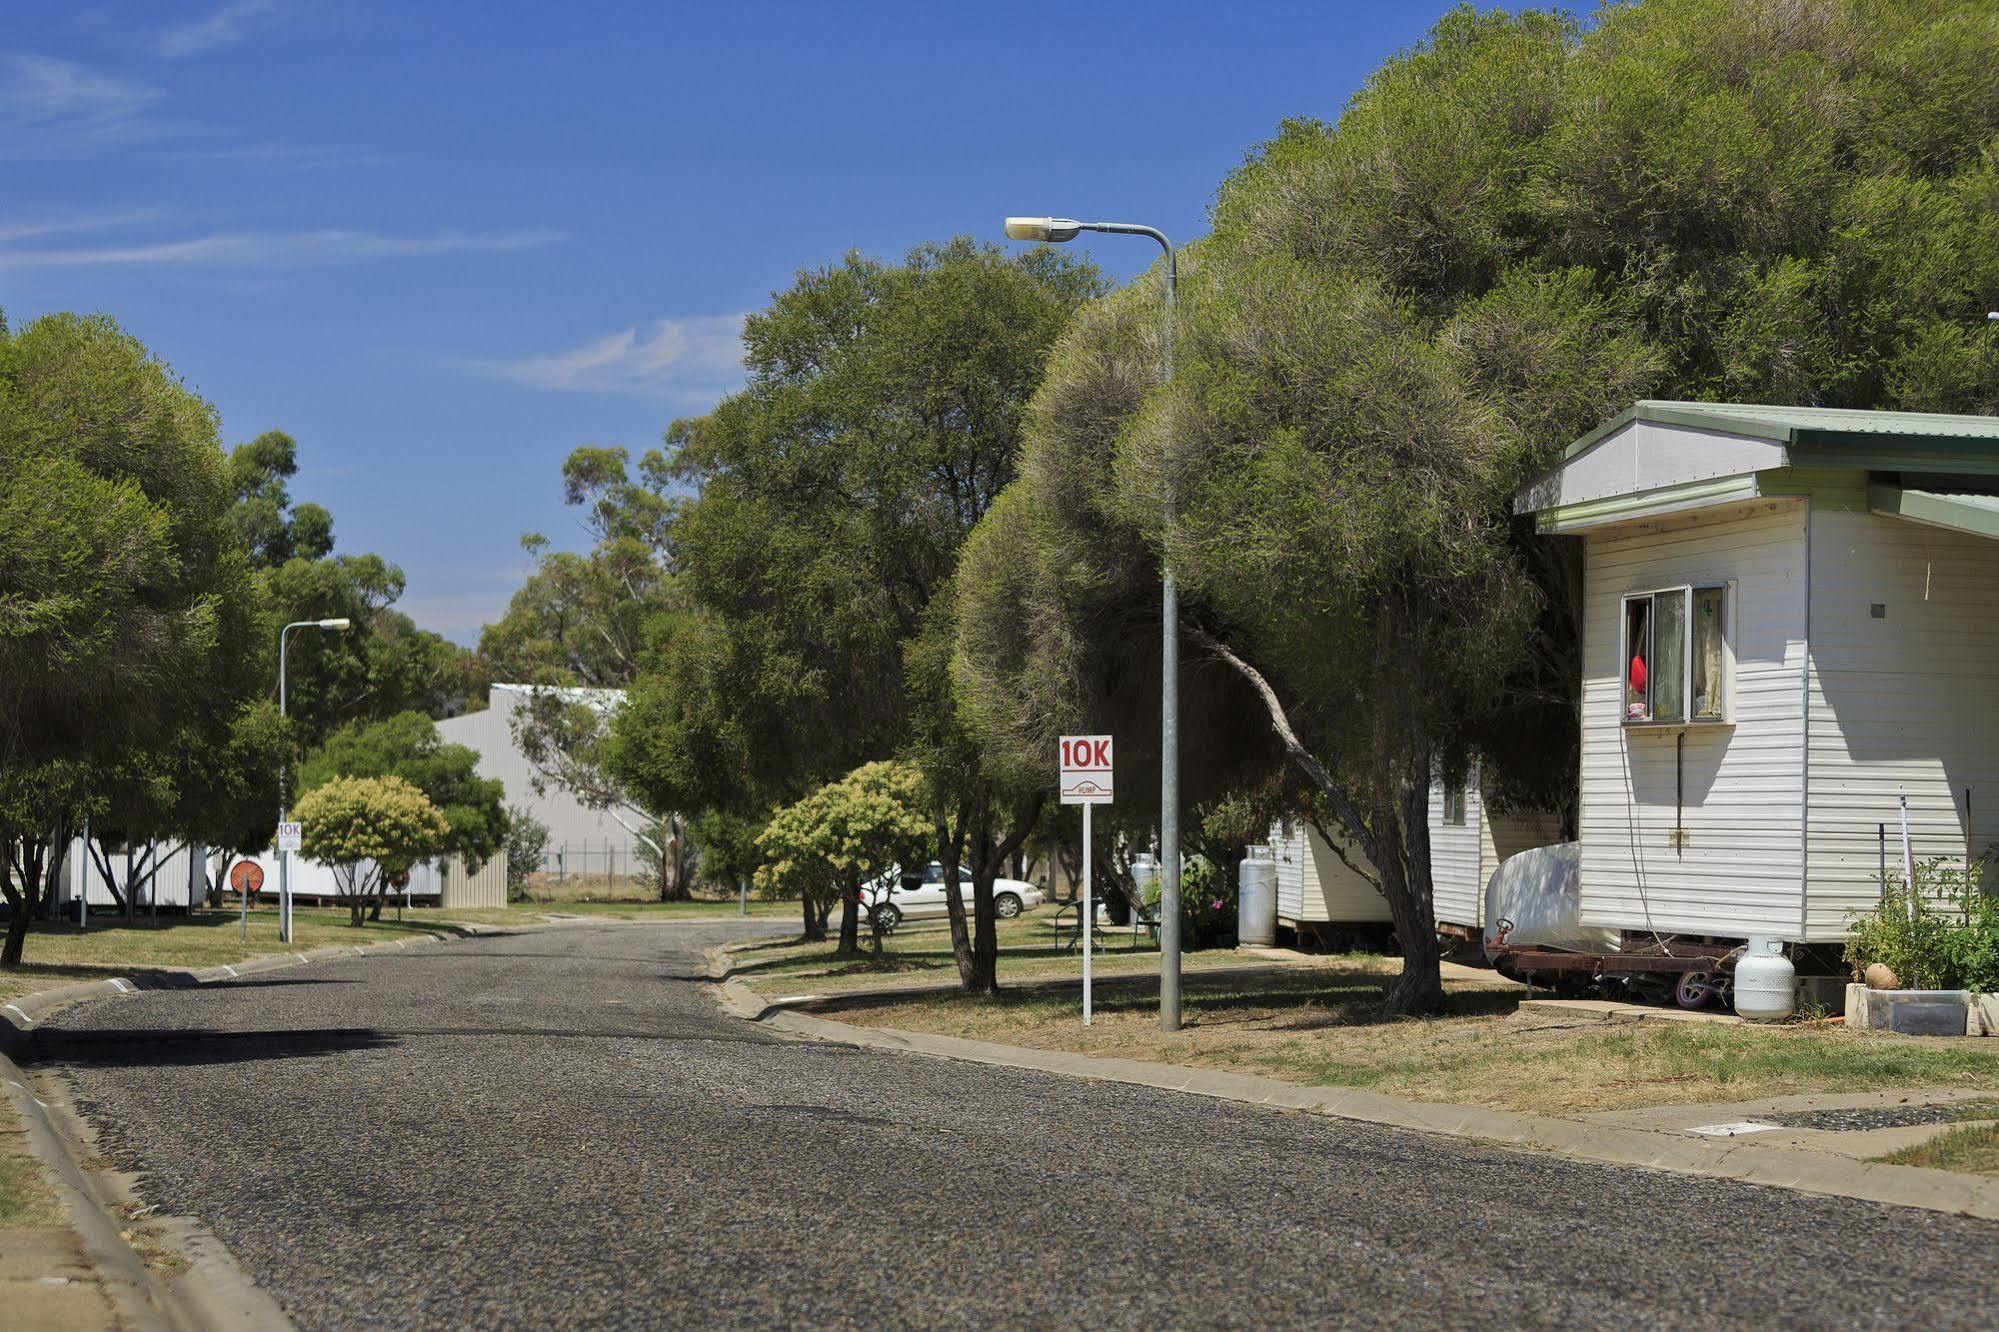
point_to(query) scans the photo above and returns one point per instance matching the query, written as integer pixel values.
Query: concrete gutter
(215, 1292)
(1742, 1160)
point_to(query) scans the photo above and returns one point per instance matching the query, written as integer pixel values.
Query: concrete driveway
(562, 1128)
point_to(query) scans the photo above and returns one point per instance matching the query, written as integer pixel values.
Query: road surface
(562, 1128)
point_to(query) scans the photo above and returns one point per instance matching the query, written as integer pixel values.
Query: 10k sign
(291, 836)
(1086, 770)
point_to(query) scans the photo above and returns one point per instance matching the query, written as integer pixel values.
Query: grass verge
(920, 953)
(1972, 1149)
(59, 954)
(1325, 1027)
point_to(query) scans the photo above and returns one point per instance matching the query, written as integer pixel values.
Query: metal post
(743, 893)
(1057, 230)
(284, 774)
(83, 905)
(1169, 707)
(1089, 914)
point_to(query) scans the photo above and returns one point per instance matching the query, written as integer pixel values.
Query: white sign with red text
(1086, 770)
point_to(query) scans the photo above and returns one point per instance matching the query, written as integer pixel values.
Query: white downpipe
(1908, 860)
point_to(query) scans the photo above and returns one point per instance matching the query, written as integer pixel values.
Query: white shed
(1790, 621)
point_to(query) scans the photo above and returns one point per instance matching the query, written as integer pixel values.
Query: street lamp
(284, 767)
(1054, 231)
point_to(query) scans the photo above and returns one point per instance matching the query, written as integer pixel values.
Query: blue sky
(442, 244)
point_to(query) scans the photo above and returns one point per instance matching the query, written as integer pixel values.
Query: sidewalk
(47, 1276)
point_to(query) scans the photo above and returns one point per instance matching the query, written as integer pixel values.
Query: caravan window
(1454, 806)
(1672, 656)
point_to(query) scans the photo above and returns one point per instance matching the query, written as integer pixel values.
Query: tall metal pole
(1056, 230)
(284, 773)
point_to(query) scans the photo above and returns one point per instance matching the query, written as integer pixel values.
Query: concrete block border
(1736, 1159)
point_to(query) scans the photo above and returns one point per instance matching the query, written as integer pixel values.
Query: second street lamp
(284, 775)
(1055, 230)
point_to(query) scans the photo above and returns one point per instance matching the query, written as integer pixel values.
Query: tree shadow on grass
(139, 1048)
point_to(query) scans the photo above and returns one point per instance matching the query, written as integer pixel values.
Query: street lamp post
(284, 776)
(1055, 230)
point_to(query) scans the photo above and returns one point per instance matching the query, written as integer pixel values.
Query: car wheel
(1006, 906)
(887, 916)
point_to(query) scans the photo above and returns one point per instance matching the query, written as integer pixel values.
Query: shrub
(1946, 938)
(1208, 901)
(527, 843)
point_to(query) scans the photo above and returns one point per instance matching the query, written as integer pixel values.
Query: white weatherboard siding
(1455, 856)
(1741, 870)
(1904, 704)
(1314, 886)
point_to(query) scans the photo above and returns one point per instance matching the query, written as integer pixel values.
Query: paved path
(562, 1129)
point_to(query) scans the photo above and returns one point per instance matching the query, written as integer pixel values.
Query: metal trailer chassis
(1693, 975)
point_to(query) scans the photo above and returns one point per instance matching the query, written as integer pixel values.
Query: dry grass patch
(1326, 1028)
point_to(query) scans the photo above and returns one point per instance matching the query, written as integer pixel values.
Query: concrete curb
(1775, 1167)
(215, 1292)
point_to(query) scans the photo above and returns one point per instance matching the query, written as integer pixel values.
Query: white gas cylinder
(1766, 984)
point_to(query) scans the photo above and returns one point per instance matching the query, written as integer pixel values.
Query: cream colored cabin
(1467, 842)
(1790, 622)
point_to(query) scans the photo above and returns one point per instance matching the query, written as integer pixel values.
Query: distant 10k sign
(1086, 770)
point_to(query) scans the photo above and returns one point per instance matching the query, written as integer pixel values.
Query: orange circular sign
(246, 876)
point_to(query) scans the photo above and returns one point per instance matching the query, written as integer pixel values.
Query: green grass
(1972, 1149)
(57, 954)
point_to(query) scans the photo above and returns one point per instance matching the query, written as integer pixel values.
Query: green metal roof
(1958, 510)
(1805, 426)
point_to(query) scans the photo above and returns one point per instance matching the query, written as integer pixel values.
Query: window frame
(1455, 807)
(1725, 715)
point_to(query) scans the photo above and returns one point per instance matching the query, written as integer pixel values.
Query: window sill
(1704, 724)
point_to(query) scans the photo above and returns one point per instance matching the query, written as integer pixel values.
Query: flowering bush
(1208, 902)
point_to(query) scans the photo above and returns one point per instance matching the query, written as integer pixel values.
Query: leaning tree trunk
(950, 854)
(815, 924)
(28, 882)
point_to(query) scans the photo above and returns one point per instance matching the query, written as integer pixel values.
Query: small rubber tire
(1007, 905)
(1693, 990)
(886, 917)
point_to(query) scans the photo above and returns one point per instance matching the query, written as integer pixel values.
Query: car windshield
(934, 874)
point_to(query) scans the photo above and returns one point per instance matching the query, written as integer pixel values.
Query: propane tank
(1256, 900)
(1766, 984)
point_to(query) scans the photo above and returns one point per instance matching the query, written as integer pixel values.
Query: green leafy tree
(132, 631)
(881, 418)
(1514, 230)
(272, 527)
(527, 844)
(372, 830)
(408, 746)
(824, 848)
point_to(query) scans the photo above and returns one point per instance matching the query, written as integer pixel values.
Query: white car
(889, 898)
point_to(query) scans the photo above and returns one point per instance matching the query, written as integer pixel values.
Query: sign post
(246, 877)
(291, 836)
(1086, 781)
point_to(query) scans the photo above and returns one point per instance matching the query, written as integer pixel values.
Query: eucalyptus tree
(880, 421)
(132, 631)
(1511, 232)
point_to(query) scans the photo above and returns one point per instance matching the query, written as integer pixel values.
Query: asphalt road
(562, 1129)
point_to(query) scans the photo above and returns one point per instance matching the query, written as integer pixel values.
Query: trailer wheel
(1694, 990)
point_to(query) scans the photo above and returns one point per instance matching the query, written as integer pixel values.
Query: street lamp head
(342, 623)
(1053, 230)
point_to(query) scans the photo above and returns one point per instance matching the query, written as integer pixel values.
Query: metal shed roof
(1798, 425)
(1958, 510)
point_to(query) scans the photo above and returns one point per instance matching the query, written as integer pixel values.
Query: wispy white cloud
(695, 359)
(261, 249)
(227, 26)
(289, 157)
(49, 105)
(18, 229)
